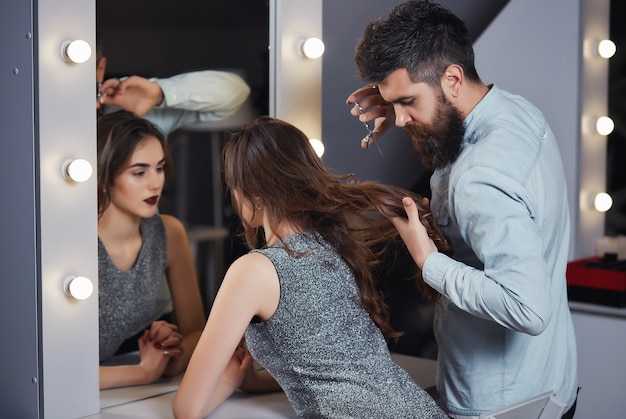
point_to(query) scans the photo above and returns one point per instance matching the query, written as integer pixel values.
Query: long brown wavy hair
(274, 160)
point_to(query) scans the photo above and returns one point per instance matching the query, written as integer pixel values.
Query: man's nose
(402, 118)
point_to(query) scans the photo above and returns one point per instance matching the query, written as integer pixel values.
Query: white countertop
(578, 306)
(154, 401)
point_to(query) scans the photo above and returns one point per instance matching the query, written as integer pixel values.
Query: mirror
(615, 222)
(161, 39)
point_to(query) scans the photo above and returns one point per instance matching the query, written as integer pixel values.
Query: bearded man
(502, 323)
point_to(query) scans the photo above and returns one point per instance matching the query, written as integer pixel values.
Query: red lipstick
(152, 200)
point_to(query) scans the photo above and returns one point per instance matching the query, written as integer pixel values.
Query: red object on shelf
(590, 283)
(581, 275)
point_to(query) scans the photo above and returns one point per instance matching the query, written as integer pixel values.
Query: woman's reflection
(136, 248)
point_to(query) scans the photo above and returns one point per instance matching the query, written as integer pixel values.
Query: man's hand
(368, 105)
(414, 233)
(134, 94)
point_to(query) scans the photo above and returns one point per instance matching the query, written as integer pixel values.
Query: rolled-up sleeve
(513, 288)
(219, 93)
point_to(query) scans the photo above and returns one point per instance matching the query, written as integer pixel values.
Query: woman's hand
(153, 361)
(152, 365)
(164, 335)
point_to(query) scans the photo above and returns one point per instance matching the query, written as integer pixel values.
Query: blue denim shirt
(503, 324)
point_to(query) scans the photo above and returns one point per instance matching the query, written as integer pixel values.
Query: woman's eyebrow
(140, 165)
(146, 164)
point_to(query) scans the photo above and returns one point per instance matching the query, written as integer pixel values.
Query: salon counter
(154, 401)
(601, 339)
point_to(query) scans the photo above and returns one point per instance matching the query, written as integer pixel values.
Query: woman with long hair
(305, 296)
(136, 248)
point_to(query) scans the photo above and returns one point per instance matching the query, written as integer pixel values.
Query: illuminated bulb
(606, 48)
(602, 202)
(77, 51)
(78, 170)
(318, 146)
(78, 287)
(604, 125)
(312, 48)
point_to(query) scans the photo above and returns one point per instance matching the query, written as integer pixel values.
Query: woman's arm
(185, 291)
(250, 288)
(151, 366)
(259, 382)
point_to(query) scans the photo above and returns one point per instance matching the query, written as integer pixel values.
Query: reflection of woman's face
(138, 187)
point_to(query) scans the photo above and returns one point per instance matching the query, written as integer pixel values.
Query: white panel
(295, 81)
(68, 225)
(594, 103)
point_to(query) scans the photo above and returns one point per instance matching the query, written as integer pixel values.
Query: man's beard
(438, 144)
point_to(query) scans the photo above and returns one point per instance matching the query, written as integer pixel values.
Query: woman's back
(322, 346)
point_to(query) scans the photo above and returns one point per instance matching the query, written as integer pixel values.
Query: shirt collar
(480, 112)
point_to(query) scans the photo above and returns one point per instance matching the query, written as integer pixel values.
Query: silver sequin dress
(322, 347)
(127, 299)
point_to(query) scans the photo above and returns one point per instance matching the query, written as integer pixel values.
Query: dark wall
(163, 38)
(395, 162)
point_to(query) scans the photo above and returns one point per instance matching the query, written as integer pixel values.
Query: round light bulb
(78, 287)
(78, 170)
(77, 51)
(603, 202)
(606, 48)
(313, 48)
(604, 125)
(318, 146)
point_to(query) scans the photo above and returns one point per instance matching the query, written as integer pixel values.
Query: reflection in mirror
(164, 39)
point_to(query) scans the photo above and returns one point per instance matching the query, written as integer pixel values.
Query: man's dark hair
(420, 36)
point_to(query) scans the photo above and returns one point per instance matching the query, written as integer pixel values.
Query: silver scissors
(370, 134)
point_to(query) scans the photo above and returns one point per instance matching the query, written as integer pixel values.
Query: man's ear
(452, 81)
(101, 69)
